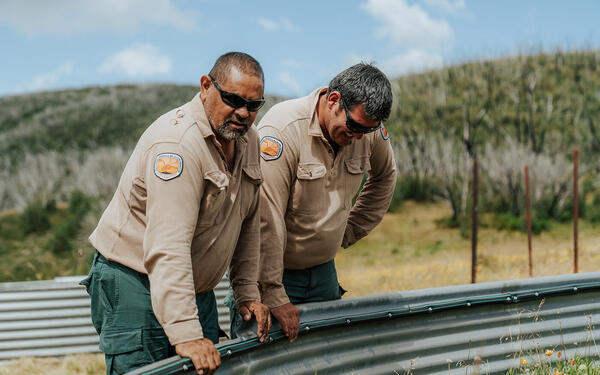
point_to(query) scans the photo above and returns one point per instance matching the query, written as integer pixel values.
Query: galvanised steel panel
(13, 316)
(44, 323)
(50, 318)
(468, 329)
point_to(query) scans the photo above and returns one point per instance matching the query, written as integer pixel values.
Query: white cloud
(407, 25)
(283, 24)
(137, 60)
(290, 82)
(67, 17)
(411, 62)
(47, 80)
(448, 6)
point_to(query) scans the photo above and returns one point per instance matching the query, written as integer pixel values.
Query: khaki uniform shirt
(182, 217)
(307, 194)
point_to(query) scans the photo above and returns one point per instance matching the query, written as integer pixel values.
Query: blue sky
(58, 44)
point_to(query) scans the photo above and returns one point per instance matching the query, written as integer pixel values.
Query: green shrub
(519, 223)
(35, 217)
(79, 203)
(61, 239)
(420, 189)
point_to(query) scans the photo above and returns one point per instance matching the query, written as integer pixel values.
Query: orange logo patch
(384, 133)
(270, 148)
(168, 166)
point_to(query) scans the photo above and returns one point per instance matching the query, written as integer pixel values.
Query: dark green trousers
(315, 284)
(130, 335)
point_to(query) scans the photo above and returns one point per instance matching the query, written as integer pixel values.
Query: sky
(50, 45)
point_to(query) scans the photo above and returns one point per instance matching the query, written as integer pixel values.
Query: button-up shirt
(307, 209)
(184, 226)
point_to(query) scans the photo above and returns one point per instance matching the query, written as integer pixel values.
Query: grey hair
(364, 84)
(242, 61)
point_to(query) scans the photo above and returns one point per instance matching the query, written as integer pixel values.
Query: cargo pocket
(102, 286)
(309, 189)
(356, 168)
(86, 283)
(215, 193)
(124, 351)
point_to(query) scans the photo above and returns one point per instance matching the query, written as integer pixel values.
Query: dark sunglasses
(236, 101)
(355, 127)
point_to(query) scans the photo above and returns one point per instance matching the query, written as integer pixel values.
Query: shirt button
(180, 113)
(173, 121)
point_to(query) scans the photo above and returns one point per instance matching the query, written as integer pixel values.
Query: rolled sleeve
(172, 212)
(275, 192)
(376, 195)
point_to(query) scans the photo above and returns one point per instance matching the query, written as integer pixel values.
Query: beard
(230, 134)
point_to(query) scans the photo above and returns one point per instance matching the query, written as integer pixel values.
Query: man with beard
(185, 209)
(315, 151)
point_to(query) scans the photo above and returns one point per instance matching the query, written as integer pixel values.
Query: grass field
(408, 250)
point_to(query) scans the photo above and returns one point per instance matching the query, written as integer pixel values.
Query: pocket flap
(311, 171)
(254, 174)
(218, 178)
(358, 165)
(113, 343)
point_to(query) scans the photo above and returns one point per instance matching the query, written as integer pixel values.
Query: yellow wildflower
(523, 361)
(558, 372)
(549, 352)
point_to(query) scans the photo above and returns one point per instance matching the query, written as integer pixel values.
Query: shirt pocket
(251, 181)
(216, 185)
(356, 169)
(309, 189)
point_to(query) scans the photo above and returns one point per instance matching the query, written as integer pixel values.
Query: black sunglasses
(236, 101)
(355, 127)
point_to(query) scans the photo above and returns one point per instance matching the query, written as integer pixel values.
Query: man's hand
(204, 355)
(261, 313)
(289, 317)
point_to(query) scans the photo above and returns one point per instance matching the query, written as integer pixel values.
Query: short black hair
(242, 61)
(364, 84)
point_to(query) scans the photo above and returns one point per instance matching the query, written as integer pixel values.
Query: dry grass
(409, 251)
(80, 364)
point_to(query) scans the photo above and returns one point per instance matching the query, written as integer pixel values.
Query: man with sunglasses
(315, 151)
(185, 210)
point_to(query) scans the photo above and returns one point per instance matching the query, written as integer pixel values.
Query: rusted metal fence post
(528, 210)
(474, 228)
(575, 209)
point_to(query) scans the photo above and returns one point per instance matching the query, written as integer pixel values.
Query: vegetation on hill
(528, 110)
(54, 143)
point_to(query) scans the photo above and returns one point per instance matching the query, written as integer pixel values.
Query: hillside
(62, 152)
(528, 110)
(52, 143)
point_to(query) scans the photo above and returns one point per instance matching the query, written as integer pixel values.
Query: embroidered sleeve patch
(270, 148)
(384, 133)
(168, 166)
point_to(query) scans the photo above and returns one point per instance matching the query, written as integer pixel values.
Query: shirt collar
(314, 128)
